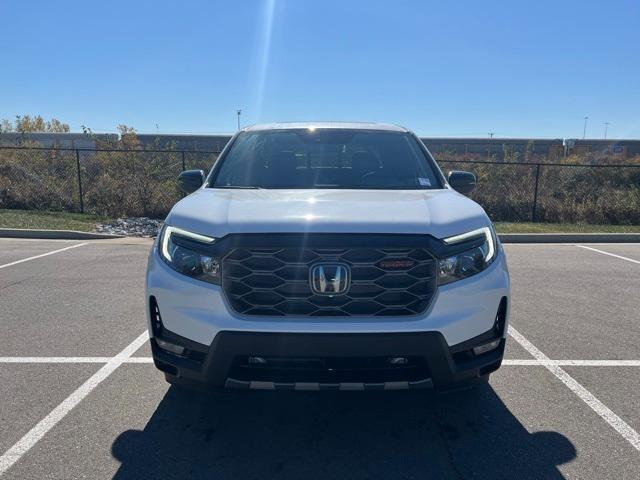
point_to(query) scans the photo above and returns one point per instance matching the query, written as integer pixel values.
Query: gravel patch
(131, 227)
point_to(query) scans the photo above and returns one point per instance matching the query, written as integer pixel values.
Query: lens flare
(263, 59)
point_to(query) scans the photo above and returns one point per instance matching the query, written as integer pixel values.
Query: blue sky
(532, 69)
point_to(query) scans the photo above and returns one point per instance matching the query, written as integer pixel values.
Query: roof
(336, 125)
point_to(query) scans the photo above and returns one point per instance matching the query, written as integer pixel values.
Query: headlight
(469, 262)
(186, 261)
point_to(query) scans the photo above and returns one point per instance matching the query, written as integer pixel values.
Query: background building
(513, 149)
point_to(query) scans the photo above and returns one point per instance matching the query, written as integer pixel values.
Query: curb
(569, 237)
(54, 234)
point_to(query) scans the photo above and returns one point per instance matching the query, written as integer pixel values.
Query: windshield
(326, 158)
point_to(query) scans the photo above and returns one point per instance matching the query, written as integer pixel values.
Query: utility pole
(238, 112)
(606, 127)
(584, 130)
(491, 134)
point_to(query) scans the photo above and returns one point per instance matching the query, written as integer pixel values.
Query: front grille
(275, 281)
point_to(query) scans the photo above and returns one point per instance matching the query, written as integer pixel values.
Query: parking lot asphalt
(83, 414)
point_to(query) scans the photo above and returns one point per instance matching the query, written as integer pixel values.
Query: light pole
(238, 112)
(584, 130)
(491, 134)
(606, 127)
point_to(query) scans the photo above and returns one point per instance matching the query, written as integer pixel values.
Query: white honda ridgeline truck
(318, 256)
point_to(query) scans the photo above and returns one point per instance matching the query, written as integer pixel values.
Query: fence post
(184, 165)
(79, 180)
(535, 194)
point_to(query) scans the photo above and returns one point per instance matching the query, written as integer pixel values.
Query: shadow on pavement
(338, 435)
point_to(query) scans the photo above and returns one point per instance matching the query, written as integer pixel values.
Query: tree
(5, 126)
(128, 137)
(28, 124)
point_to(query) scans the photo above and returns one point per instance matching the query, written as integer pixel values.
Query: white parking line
(506, 361)
(37, 240)
(610, 254)
(574, 363)
(43, 255)
(72, 360)
(32, 437)
(622, 427)
(55, 359)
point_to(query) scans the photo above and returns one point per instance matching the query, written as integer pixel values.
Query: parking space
(616, 387)
(144, 351)
(630, 252)
(574, 303)
(86, 418)
(514, 351)
(13, 251)
(85, 301)
(30, 391)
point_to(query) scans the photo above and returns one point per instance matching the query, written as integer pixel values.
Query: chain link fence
(555, 192)
(143, 183)
(105, 182)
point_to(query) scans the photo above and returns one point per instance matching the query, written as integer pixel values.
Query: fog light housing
(170, 347)
(487, 347)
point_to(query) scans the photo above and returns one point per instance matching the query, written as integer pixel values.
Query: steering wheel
(372, 173)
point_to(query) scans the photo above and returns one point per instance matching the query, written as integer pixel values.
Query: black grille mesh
(275, 282)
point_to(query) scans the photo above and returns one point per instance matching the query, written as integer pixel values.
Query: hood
(219, 212)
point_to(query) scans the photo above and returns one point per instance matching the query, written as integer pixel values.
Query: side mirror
(463, 182)
(191, 180)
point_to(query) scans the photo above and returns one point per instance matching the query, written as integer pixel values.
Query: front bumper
(196, 316)
(432, 362)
